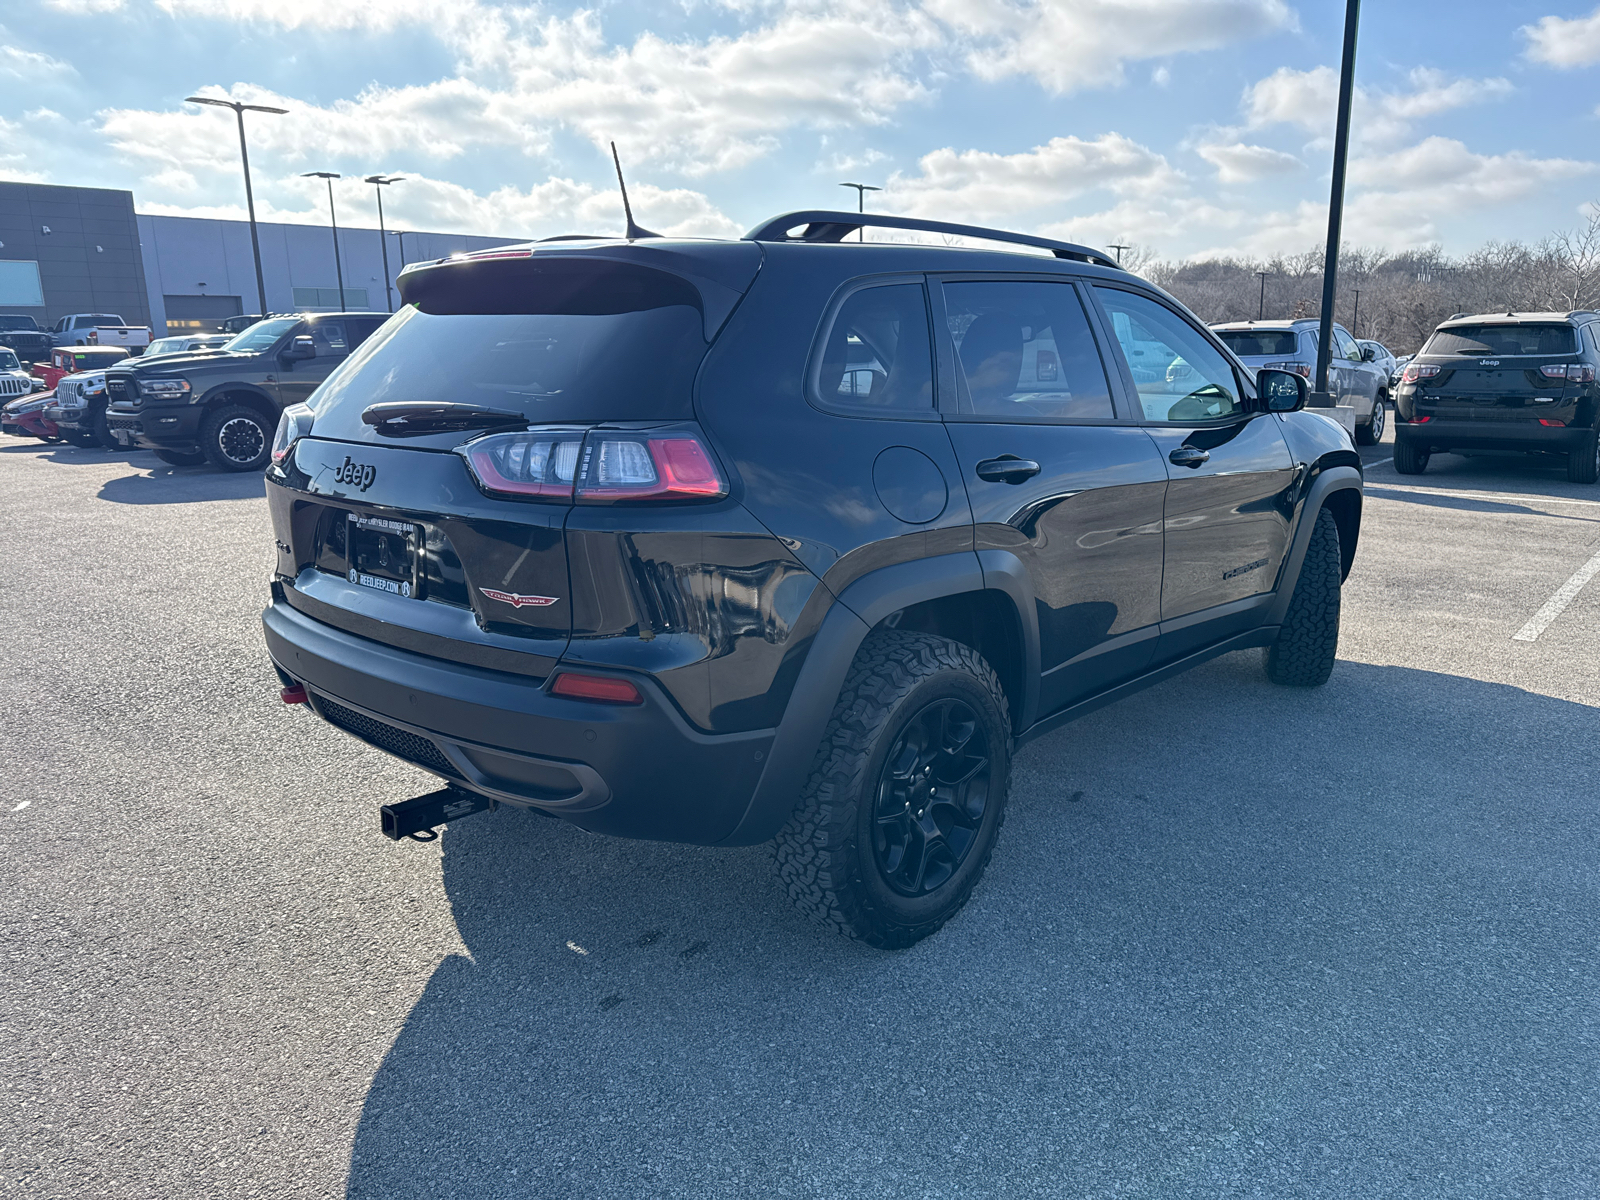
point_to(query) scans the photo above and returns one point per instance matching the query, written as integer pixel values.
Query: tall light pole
(249, 197)
(1261, 304)
(400, 233)
(1355, 315)
(379, 183)
(330, 176)
(861, 202)
(1341, 151)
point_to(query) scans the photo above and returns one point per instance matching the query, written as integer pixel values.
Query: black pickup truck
(222, 406)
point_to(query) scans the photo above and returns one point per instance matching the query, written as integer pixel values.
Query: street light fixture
(379, 183)
(330, 176)
(861, 202)
(249, 197)
(1119, 247)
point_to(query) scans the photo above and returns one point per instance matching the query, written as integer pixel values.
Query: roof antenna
(634, 231)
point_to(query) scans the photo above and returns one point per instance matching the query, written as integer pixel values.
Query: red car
(68, 360)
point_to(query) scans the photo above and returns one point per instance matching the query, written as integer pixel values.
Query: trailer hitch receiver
(416, 818)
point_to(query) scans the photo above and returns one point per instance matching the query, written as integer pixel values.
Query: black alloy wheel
(236, 438)
(931, 798)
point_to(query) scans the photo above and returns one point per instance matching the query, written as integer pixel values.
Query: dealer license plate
(382, 554)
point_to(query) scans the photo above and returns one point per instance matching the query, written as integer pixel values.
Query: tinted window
(329, 338)
(1344, 345)
(1258, 343)
(1593, 344)
(560, 340)
(1503, 339)
(1024, 352)
(1180, 375)
(878, 353)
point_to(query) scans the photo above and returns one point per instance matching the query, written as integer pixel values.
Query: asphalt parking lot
(1236, 940)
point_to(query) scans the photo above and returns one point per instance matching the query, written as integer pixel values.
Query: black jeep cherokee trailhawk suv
(1519, 382)
(221, 406)
(788, 538)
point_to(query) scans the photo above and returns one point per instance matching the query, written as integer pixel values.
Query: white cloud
(17, 154)
(979, 185)
(1561, 42)
(29, 66)
(1069, 45)
(1242, 163)
(1309, 100)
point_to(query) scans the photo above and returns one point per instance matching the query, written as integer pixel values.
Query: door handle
(1188, 456)
(1007, 469)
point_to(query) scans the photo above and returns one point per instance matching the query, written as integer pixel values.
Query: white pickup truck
(99, 329)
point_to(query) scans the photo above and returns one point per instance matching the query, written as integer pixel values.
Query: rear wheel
(1583, 464)
(1371, 433)
(1409, 460)
(1309, 640)
(907, 793)
(182, 458)
(236, 438)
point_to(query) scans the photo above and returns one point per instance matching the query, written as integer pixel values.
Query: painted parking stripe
(1554, 606)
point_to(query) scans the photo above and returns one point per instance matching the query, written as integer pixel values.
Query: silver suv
(1353, 377)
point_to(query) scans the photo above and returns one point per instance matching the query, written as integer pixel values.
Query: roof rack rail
(823, 225)
(1581, 312)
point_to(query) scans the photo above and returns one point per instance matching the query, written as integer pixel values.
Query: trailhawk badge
(516, 600)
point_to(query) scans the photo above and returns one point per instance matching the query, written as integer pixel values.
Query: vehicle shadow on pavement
(183, 485)
(1463, 504)
(1234, 940)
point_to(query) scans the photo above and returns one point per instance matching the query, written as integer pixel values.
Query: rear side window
(329, 338)
(878, 355)
(1024, 352)
(1503, 339)
(558, 340)
(1260, 343)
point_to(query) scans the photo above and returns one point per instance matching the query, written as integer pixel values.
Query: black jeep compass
(788, 538)
(1520, 382)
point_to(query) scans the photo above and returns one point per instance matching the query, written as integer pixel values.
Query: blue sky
(1185, 126)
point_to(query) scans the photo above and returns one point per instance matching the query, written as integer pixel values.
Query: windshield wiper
(407, 418)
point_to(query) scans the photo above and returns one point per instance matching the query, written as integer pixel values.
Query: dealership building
(86, 250)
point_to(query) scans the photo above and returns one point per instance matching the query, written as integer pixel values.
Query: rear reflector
(1543, 421)
(1420, 420)
(605, 688)
(294, 694)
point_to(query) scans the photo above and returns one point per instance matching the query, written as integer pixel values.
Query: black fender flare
(1323, 484)
(854, 613)
(216, 395)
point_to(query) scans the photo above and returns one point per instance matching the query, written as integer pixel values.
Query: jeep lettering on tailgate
(357, 475)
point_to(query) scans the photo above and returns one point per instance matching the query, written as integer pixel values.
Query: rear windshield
(1503, 339)
(559, 340)
(1254, 343)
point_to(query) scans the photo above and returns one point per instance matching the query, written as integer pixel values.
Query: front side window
(261, 335)
(1024, 352)
(1345, 344)
(1179, 375)
(328, 337)
(878, 354)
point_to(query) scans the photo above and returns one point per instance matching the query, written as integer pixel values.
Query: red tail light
(525, 464)
(1415, 371)
(1580, 374)
(623, 466)
(605, 688)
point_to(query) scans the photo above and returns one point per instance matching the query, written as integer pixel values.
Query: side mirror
(301, 348)
(1282, 391)
(1368, 354)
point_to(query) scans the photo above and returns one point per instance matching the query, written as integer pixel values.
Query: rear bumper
(1527, 436)
(630, 770)
(156, 428)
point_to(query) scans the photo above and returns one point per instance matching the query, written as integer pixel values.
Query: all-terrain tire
(1408, 460)
(1309, 640)
(182, 458)
(236, 438)
(1583, 464)
(102, 432)
(826, 855)
(1371, 433)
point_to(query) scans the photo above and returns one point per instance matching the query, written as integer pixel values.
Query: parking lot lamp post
(1355, 315)
(1341, 151)
(379, 183)
(249, 196)
(1119, 247)
(338, 270)
(1261, 304)
(861, 203)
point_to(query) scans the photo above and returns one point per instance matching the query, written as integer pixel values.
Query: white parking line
(1373, 466)
(1553, 607)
